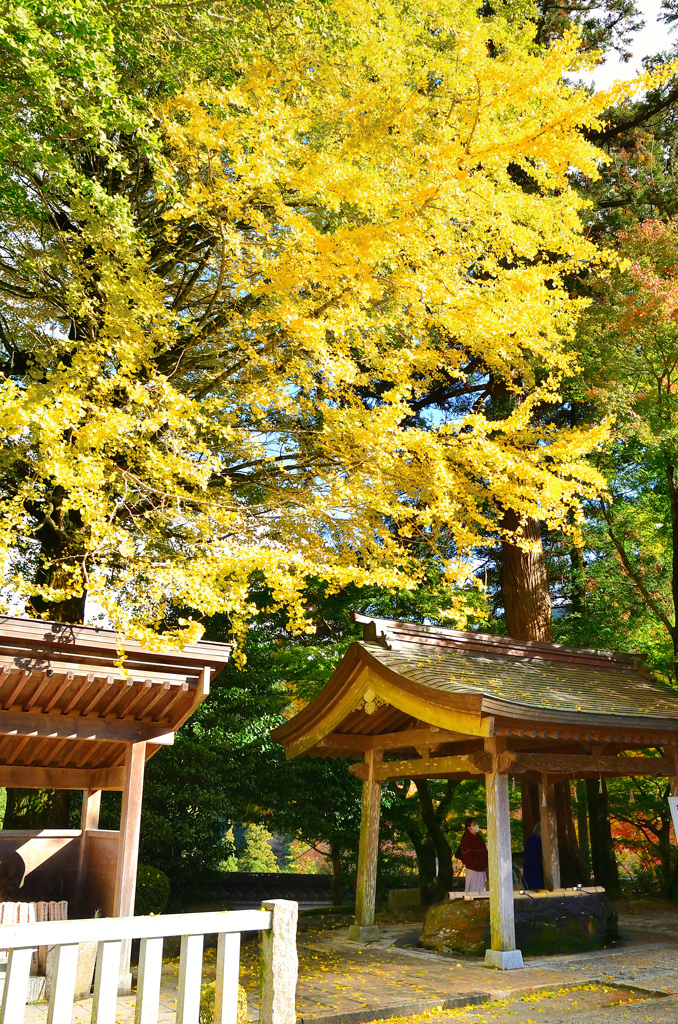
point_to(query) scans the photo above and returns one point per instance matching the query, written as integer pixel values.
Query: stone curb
(366, 1015)
(398, 1010)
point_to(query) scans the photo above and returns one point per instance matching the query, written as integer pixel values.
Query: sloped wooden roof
(403, 676)
(66, 704)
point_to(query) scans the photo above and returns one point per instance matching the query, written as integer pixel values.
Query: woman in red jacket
(472, 852)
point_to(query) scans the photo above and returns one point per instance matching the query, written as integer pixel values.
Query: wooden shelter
(72, 718)
(425, 702)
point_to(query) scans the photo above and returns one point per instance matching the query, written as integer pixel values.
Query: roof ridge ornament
(370, 635)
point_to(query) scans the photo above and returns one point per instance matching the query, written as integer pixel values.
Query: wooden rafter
(23, 724)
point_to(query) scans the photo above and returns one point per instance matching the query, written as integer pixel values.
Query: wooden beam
(390, 740)
(17, 723)
(639, 735)
(27, 777)
(514, 761)
(421, 767)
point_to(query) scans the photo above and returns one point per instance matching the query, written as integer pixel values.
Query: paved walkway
(341, 982)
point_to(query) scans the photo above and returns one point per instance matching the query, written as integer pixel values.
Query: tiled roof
(615, 687)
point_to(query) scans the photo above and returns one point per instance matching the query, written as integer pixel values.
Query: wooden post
(128, 850)
(503, 952)
(549, 833)
(89, 819)
(364, 929)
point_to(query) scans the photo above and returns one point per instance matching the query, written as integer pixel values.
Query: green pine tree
(257, 855)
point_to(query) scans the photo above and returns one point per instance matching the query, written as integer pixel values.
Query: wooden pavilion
(72, 718)
(425, 702)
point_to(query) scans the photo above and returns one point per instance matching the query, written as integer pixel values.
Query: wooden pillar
(128, 850)
(91, 808)
(503, 952)
(364, 929)
(549, 833)
(89, 820)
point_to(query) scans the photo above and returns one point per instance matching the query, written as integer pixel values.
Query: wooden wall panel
(51, 859)
(102, 857)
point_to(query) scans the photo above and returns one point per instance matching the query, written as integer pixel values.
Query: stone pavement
(341, 982)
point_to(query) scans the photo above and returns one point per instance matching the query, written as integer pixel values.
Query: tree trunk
(524, 582)
(527, 605)
(337, 886)
(573, 870)
(529, 799)
(445, 872)
(583, 825)
(603, 860)
(37, 808)
(577, 590)
(426, 867)
(60, 550)
(673, 496)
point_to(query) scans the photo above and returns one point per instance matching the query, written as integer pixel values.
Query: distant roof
(458, 681)
(66, 704)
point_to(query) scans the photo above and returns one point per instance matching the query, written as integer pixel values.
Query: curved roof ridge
(384, 631)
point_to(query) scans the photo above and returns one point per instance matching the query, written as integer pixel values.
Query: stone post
(364, 929)
(503, 952)
(279, 964)
(549, 833)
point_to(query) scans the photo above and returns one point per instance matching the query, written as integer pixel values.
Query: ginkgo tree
(234, 252)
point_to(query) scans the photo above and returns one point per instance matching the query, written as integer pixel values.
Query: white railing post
(279, 964)
(228, 975)
(148, 983)
(62, 987)
(190, 979)
(106, 979)
(16, 986)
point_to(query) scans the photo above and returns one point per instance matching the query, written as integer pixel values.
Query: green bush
(153, 890)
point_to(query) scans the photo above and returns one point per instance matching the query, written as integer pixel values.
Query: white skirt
(476, 881)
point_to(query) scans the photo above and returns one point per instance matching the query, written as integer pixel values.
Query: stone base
(544, 926)
(125, 985)
(504, 959)
(363, 933)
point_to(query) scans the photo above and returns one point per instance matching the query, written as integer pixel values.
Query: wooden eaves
(68, 712)
(427, 698)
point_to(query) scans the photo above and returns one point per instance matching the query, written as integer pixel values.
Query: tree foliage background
(318, 306)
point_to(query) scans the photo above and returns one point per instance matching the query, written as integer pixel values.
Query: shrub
(153, 890)
(206, 1014)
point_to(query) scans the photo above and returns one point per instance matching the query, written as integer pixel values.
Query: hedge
(153, 890)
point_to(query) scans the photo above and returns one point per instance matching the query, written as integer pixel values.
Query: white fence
(277, 920)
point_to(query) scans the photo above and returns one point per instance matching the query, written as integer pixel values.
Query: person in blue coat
(533, 865)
